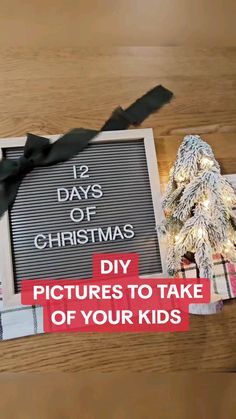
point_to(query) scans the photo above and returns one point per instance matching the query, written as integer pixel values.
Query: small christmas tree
(198, 205)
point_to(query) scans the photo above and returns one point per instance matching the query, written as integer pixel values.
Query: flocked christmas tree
(198, 207)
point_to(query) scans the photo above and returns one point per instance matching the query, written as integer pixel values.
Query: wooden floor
(63, 23)
(106, 396)
(50, 90)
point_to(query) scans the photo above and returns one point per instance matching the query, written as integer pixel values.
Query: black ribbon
(39, 151)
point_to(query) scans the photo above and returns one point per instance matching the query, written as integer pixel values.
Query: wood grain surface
(117, 396)
(48, 90)
(64, 23)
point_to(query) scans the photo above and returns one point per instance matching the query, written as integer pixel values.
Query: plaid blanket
(224, 280)
(20, 321)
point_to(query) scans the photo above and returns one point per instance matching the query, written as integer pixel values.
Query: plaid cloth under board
(20, 321)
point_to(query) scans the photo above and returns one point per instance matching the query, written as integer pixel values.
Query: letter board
(104, 200)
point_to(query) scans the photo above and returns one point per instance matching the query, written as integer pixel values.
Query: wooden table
(50, 90)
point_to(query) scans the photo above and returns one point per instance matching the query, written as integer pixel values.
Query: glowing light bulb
(206, 162)
(200, 233)
(206, 203)
(180, 178)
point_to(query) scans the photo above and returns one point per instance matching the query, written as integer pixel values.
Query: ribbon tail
(136, 113)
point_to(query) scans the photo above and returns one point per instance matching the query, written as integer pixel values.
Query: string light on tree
(200, 233)
(206, 203)
(206, 162)
(198, 205)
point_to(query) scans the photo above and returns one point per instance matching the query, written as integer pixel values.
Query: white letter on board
(80, 215)
(37, 244)
(90, 211)
(59, 194)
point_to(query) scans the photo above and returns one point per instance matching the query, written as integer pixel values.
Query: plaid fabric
(20, 321)
(224, 280)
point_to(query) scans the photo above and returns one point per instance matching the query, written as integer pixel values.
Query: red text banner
(116, 299)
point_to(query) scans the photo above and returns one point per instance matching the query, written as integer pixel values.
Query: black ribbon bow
(39, 151)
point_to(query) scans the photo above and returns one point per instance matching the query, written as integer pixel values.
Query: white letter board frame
(10, 297)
